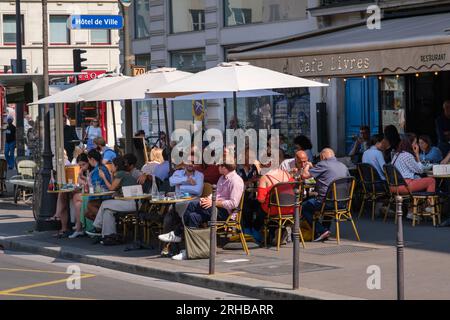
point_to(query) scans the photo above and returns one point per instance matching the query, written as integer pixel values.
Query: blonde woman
(156, 158)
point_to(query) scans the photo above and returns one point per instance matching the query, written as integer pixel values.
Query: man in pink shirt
(229, 192)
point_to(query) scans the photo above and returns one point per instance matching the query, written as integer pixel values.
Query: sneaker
(410, 216)
(169, 237)
(323, 236)
(181, 256)
(94, 233)
(429, 210)
(76, 234)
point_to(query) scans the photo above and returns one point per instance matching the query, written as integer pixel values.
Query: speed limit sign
(138, 70)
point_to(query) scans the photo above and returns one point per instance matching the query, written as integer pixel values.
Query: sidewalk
(328, 271)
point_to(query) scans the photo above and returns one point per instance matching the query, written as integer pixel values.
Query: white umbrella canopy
(135, 88)
(233, 77)
(227, 95)
(73, 94)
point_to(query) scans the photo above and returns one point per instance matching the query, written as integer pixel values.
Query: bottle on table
(155, 191)
(51, 183)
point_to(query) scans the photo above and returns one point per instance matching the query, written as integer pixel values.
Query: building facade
(102, 52)
(193, 35)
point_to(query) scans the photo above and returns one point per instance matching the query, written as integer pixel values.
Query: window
(143, 60)
(189, 61)
(289, 112)
(100, 36)
(9, 29)
(393, 102)
(187, 15)
(239, 12)
(59, 32)
(141, 19)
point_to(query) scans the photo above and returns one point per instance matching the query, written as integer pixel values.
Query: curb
(252, 288)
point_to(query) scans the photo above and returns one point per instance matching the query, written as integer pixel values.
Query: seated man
(296, 165)
(108, 154)
(185, 180)
(130, 166)
(374, 155)
(229, 192)
(325, 172)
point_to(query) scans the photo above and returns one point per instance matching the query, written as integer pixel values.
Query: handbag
(197, 242)
(85, 139)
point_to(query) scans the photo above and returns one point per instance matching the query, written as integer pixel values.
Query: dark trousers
(313, 205)
(195, 215)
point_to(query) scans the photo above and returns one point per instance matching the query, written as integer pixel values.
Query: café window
(187, 15)
(189, 61)
(393, 102)
(59, 32)
(100, 36)
(141, 19)
(240, 12)
(289, 113)
(9, 29)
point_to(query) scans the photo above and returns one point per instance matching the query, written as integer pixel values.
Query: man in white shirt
(296, 164)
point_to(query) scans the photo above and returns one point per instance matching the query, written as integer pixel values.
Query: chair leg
(414, 211)
(338, 236)
(387, 211)
(313, 228)
(433, 210)
(361, 210)
(301, 238)
(265, 234)
(243, 241)
(280, 230)
(374, 202)
(354, 228)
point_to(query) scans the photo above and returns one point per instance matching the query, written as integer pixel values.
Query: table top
(169, 200)
(99, 194)
(141, 197)
(431, 175)
(62, 191)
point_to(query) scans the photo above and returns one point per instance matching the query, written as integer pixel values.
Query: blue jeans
(9, 153)
(308, 208)
(195, 215)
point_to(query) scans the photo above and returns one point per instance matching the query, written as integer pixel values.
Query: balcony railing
(326, 3)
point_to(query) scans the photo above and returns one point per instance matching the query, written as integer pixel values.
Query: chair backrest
(340, 192)
(3, 168)
(282, 194)
(369, 176)
(394, 178)
(26, 168)
(207, 190)
(72, 173)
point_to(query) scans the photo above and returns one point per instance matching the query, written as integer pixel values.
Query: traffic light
(77, 60)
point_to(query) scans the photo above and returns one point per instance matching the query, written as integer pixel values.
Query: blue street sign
(94, 22)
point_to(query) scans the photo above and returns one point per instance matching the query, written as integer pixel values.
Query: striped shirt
(407, 165)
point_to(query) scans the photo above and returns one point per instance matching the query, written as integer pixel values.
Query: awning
(402, 45)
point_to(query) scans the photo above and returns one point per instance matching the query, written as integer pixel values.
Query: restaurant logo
(433, 57)
(333, 63)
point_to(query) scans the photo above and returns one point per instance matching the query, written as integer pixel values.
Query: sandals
(54, 218)
(62, 235)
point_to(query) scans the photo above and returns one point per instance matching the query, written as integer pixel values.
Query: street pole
(400, 246)
(296, 236)
(19, 106)
(127, 60)
(45, 205)
(213, 237)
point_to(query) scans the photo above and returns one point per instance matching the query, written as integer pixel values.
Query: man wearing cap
(10, 145)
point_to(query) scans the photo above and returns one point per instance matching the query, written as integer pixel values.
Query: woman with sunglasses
(93, 131)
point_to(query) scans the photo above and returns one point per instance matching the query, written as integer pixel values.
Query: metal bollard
(400, 246)
(296, 240)
(213, 235)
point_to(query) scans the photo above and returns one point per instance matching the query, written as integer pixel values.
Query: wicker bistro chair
(373, 187)
(282, 195)
(337, 205)
(416, 199)
(232, 226)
